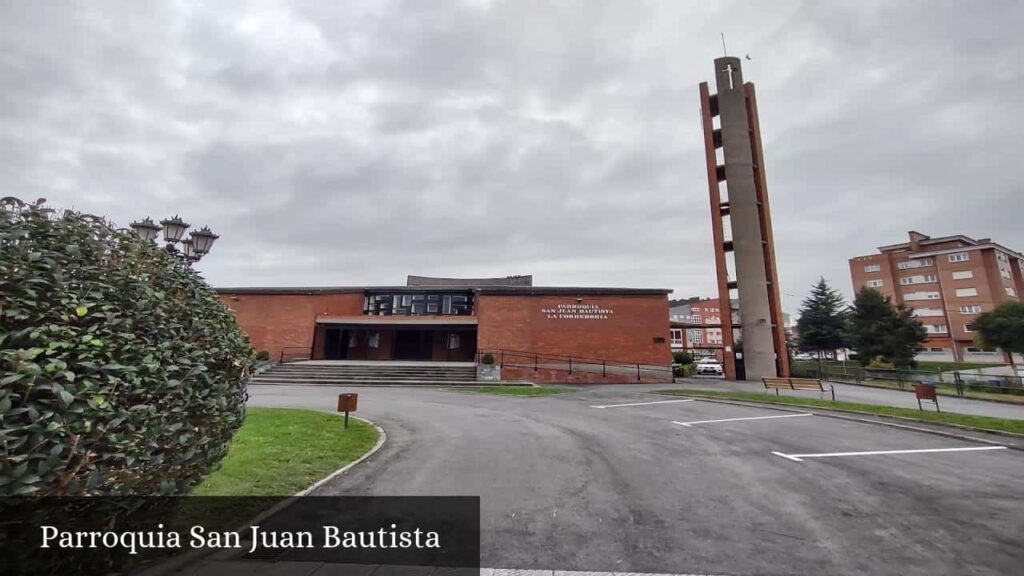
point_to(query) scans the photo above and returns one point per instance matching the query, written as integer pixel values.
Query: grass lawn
(513, 390)
(280, 451)
(984, 422)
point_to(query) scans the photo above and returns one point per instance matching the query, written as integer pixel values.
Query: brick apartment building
(696, 327)
(454, 320)
(947, 281)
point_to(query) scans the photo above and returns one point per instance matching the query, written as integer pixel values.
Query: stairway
(321, 373)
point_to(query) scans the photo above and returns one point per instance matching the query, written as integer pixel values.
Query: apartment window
(963, 275)
(922, 296)
(970, 309)
(676, 334)
(1001, 257)
(873, 283)
(915, 263)
(907, 280)
(964, 292)
(873, 268)
(1010, 291)
(959, 257)
(1004, 273)
(936, 328)
(968, 327)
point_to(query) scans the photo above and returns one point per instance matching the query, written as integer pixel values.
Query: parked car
(709, 366)
(804, 356)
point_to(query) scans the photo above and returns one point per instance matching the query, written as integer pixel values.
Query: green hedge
(121, 372)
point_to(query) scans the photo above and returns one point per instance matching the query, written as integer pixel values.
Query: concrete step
(420, 370)
(370, 374)
(454, 383)
(363, 377)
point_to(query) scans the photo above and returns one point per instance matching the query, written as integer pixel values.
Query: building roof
(469, 282)
(495, 290)
(923, 241)
(925, 246)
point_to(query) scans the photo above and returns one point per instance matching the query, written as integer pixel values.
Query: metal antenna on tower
(724, 51)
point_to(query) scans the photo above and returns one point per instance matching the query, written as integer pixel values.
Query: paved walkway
(869, 395)
(614, 479)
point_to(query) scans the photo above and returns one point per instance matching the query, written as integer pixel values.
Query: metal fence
(963, 382)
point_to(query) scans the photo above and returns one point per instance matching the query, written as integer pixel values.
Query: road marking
(800, 457)
(738, 419)
(643, 403)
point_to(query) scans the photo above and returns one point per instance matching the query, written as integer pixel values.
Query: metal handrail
(307, 349)
(536, 357)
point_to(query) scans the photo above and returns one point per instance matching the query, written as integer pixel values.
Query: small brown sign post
(926, 392)
(347, 403)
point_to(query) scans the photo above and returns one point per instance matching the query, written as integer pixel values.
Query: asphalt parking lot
(613, 478)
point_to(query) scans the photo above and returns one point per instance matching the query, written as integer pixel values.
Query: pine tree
(822, 323)
(878, 329)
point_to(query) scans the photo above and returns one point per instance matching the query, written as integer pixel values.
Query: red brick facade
(274, 322)
(629, 333)
(621, 328)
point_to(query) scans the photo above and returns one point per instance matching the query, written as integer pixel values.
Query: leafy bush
(685, 370)
(262, 355)
(488, 359)
(881, 364)
(682, 358)
(121, 372)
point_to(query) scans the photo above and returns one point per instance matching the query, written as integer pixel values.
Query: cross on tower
(728, 68)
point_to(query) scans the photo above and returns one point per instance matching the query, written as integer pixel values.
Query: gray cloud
(352, 143)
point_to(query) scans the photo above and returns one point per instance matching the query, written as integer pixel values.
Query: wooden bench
(798, 384)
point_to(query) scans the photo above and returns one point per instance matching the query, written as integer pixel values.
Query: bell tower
(741, 225)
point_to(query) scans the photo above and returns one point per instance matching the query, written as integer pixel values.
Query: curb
(834, 413)
(180, 563)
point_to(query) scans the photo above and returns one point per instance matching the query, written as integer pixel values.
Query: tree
(1003, 328)
(122, 371)
(822, 323)
(877, 329)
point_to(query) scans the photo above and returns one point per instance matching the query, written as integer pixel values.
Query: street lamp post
(192, 249)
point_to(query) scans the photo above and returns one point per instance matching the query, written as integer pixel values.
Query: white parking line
(643, 403)
(800, 457)
(738, 419)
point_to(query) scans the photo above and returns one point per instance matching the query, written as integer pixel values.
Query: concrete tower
(739, 194)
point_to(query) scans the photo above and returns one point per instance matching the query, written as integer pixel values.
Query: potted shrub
(487, 370)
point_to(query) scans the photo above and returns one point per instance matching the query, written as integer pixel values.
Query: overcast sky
(350, 143)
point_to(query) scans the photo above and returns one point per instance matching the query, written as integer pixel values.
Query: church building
(541, 334)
